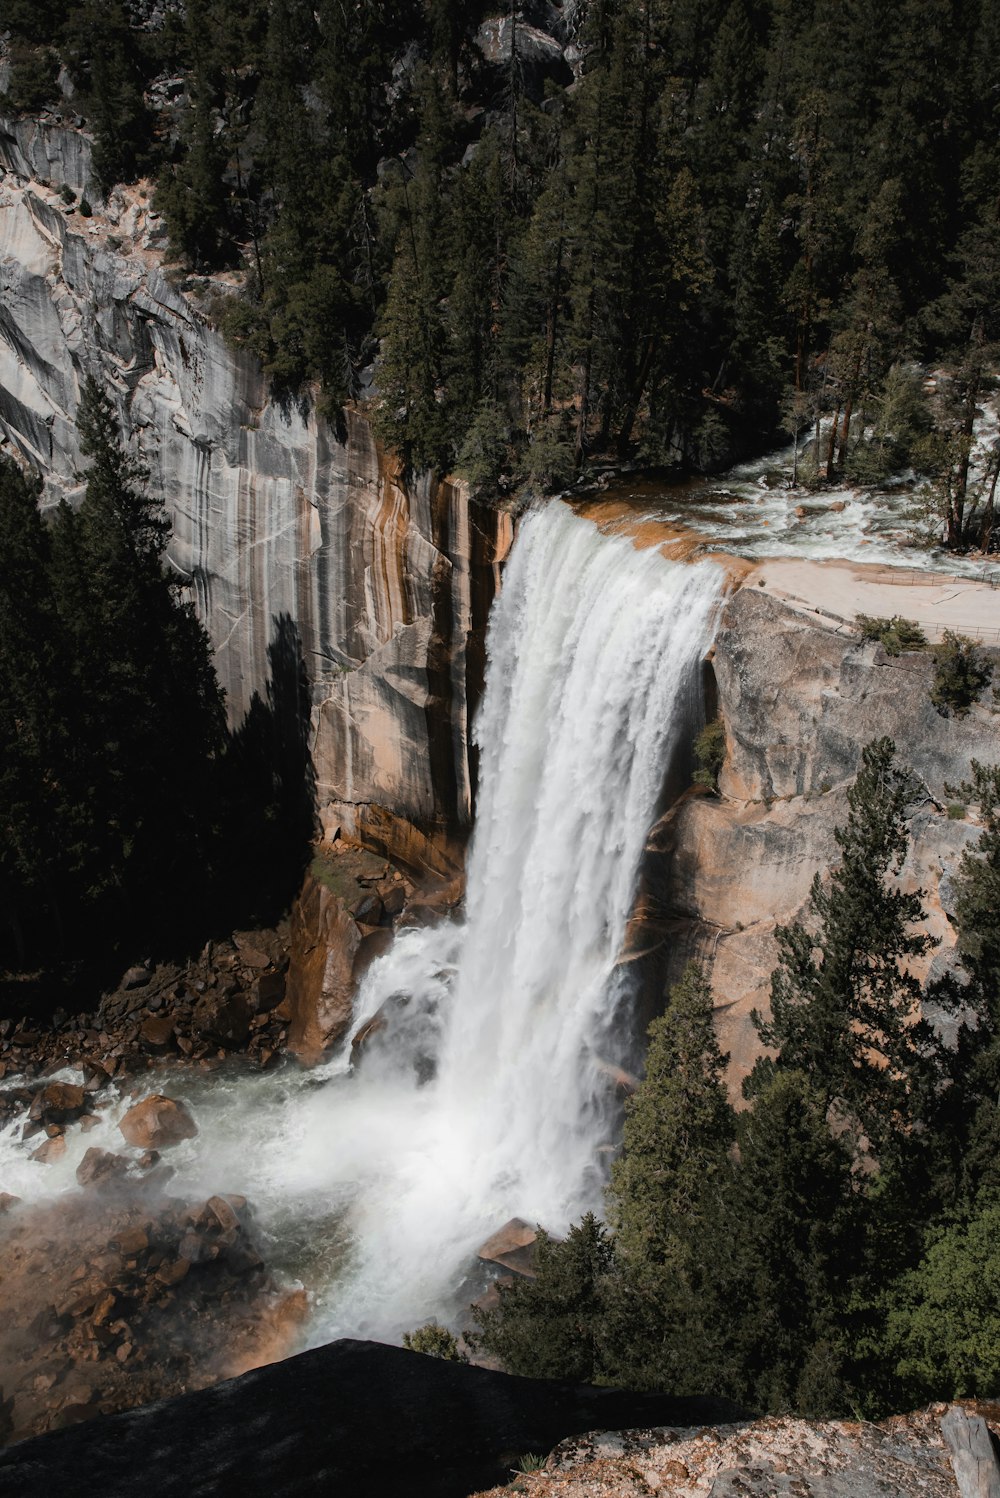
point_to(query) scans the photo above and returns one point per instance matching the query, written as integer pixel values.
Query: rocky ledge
(897, 1458)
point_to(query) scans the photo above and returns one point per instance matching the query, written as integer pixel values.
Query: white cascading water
(486, 1094)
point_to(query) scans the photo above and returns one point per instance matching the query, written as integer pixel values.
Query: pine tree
(105, 60)
(844, 1002)
(669, 1185)
(786, 1252)
(412, 413)
(678, 1128)
(31, 720)
(147, 710)
(551, 1326)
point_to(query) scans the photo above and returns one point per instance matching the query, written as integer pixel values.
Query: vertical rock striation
(276, 518)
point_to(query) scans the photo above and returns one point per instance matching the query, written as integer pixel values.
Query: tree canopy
(698, 226)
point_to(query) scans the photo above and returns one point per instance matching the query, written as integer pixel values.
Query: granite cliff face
(800, 697)
(275, 518)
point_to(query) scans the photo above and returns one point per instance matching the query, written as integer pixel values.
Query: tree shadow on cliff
(272, 787)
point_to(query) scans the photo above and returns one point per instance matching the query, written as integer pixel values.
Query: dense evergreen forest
(134, 821)
(833, 1246)
(687, 227)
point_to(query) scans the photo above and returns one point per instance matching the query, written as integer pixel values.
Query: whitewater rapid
(486, 1094)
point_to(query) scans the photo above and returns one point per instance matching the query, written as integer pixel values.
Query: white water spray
(486, 1096)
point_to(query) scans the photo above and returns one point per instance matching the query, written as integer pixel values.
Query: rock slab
(350, 1418)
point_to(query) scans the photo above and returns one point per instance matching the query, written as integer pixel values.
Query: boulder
(51, 1150)
(253, 957)
(393, 901)
(373, 944)
(223, 1017)
(7, 1201)
(95, 1076)
(135, 977)
(100, 1167)
(224, 1212)
(512, 1247)
(157, 1034)
(268, 992)
(319, 1426)
(157, 1123)
(58, 1102)
(320, 990)
(371, 1027)
(368, 910)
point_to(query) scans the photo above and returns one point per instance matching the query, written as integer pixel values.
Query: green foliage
(531, 1462)
(105, 57)
(550, 1326)
(485, 453)
(843, 998)
(710, 754)
(32, 740)
(956, 811)
(793, 1218)
(977, 888)
(894, 635)
(943, 1327)
(665, 1197)
(898, 436)
(33, 84)
(711, 232)
(678, 1128)
(961, 674)
(435, 1341)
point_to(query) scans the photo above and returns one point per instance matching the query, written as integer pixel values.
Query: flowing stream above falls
(485, 1095)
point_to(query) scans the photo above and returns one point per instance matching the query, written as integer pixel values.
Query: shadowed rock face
(353, 1417)
(388, 581)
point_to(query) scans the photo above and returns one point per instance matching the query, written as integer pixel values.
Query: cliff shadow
(271, 787)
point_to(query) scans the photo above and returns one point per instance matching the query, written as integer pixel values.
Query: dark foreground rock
(353, 1418)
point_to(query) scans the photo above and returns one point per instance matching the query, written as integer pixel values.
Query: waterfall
(488, 1085)
(485, 1095)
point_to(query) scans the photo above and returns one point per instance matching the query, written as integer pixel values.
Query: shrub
(956, 812)
(895, 635)
(710, 754)
(85, 209)
(960, 674)
(435, 1342)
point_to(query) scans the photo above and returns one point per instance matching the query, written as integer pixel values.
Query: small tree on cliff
(844, 1002)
